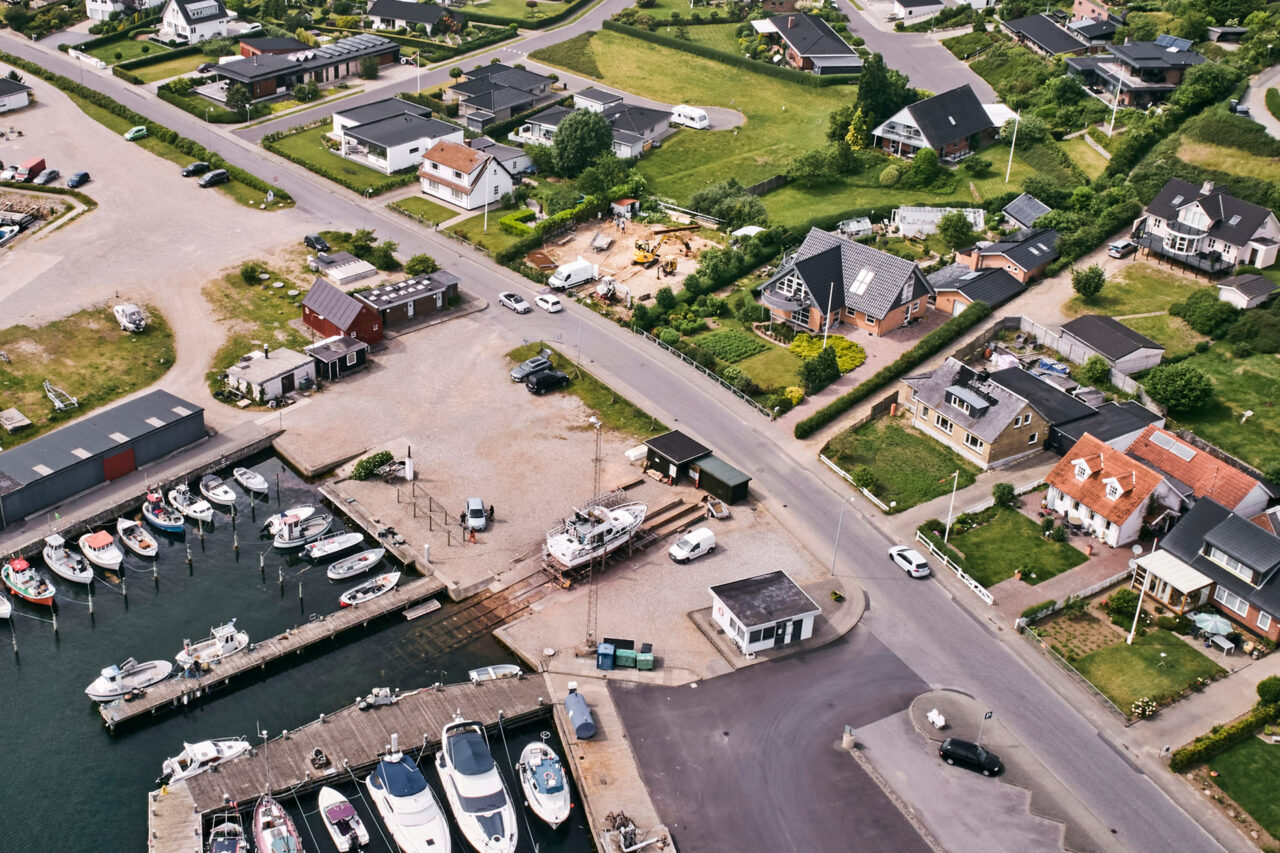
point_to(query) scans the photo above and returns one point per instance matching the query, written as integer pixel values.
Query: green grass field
(254, 314)
(1138, 289)
(1232, 160)
(1011, 541)
(715, 36)
(1083, 155)
(1241, 385)
(127, 49)
(171, 68)
(1249, 773)
(1126, 673)
(515, 10)
(614, 410)
(309, 146)
(909, 468)
(1170, 332)
(473, 229)
(425, 209)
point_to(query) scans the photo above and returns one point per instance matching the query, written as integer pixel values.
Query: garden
(424, 210)
(126, 49)
(1000, 542)
(898, 465)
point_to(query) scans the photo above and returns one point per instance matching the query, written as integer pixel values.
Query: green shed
(719, 478)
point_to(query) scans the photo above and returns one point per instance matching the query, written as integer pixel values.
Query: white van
(573, 273)
(694, 544)
(690, 117)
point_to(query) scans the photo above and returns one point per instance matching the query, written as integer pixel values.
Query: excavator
(646, 253)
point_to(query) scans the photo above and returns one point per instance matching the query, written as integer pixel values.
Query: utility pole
(1017, 120)
(826, 318)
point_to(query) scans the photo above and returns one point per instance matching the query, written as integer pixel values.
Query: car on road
(477, 519)
(135, 133)
(548, 380)
(197, 168)
(79, 179)
(217, 176)
(547, 302)
(970, 755)
(514, 301)
(315, 241)
(206, 67)
(910, 561)
(537, 364)
(1239, 108)
(46, 177)
(1122, 248)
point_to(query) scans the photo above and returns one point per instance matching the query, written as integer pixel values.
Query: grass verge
(254, 314)
(473, 231)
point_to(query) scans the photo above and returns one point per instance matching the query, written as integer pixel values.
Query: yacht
(196, 758)
(407, 804)
(475, 790)
(340, 818)
(223, 641)
(593, 532)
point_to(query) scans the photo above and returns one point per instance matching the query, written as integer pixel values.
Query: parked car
(197, 168)
(970, 755)
(548, 380)
(217, 176)
(547, 302)
(9, 173)
(315, 241)
(910, 561)
(1122, 248)
(135, 133)
(692, 545)
(514, 301)
(1239, 108)
(537, 364)
(477, 519)
(205, 67)
(46, 177)
(79, 179)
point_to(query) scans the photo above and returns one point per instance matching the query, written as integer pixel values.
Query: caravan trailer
(690, 117)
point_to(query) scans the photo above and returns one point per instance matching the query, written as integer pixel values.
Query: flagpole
(1017, 120)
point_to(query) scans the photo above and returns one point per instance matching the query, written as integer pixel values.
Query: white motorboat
(407, 804)
(181, 499)
(196, 758)
(356, 564)
(135, 538)
(64, 562)
(252, 481)
(331, 545)
(223, 641)
(227, 835)
(273, 829)
(130, 677)
(276, 523)
(593, 532)
(6, 609)
(100, 549)
(159, 514)
(216, 491)
(543, 780)
(493, 673)
(370, 589)
(477, 795)
(298, 532)
(340, 818)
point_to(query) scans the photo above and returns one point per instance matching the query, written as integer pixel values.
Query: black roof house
(1043, 33)
(428, 14)
(809, 35)
(1208, 524)
(378, 110)
(765, 599)
(1109, 423)
(10, 87)
(992, 286)
(1025, 210)
(1108, 336)
(949, 117)
(1232, 220)
(200, 11)
(1029, 248)
(329, 302)
(398, 130)
(676, 447)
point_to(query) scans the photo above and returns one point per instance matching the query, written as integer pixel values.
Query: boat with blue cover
(407, 804)
(545, 788)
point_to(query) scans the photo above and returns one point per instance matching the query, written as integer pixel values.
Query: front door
(286, 383)
(780, 634)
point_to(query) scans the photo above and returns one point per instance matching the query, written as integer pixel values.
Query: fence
(1075, 675)
(841, 473)
(1023, 622)
(1017, 490)
(84, 57)
(1077, 352)
(767, 185)
(741, 396)
(977, 588)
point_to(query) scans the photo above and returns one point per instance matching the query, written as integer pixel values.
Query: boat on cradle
(252, 481)
(100, 548)
(298, 532)
(340, 818)
(356, 564)
(407, 804)
(159, 514)
(331, 545)
(193, 507)
(64, 562)
(593, 532)
(129, 678)
(273, 829)
(370, 589)
(216, 491)
(493, 673)
(477, 795)
(227, 835)
(543, 781)
(276, 523)
(223, 641)
(196, 758)
(26, 583)
(135, 538)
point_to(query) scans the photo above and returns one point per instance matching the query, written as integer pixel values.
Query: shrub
(514, 222)
(665, 298)
(1088, 282)
(1035, 610)
(890, 176)
(1046, 525)
(820, 371)
(365, 467)
(1096, 370)
(1269, 690)
(1206, 313)
(864, 478)
(670, 337)
(421, 265)
(1121, 606)
(250, 272)
(1058, 534)
(848, 354)
(1003, 494)
(1179, 387)
(1223, 738)
(794, 394)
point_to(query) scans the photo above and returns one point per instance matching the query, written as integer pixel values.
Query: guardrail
(844, 476)
(977, 588)
(990, 502)
(709, 374)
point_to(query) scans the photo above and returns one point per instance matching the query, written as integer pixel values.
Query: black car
(79, 179)
(971, 755)
(217, 176)
(548, 380)
(197, 168)
(315, 241)
(206, 67)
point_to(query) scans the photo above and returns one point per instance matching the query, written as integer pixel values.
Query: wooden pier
(180, 692)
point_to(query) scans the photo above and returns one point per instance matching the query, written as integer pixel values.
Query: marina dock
(180, 692)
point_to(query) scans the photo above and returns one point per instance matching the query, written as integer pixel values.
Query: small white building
(917, 10)
(341, 268)
(397, 142)
(193, 21)
(855, 228)
(265, 375)
(13, 95)
(100, 10)
(923, 221)
(463, 176)
(1246, 291)
(1122, 347)
(763, 612)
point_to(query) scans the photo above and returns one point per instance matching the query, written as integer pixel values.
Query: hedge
(1035, 610)
(438, 107)
(200, 108)
(515, 253)
(402, 178)
(365, 467)
(924, 348)
(1273, 102)
(114, 38)
(157, 58)
(732, 59)
(1208, 746)
(127, 76)
(514, 222)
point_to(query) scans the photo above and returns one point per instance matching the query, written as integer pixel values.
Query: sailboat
(273, 829)
(64, 562)
(593, 532)
(475, 790)
(407, 804)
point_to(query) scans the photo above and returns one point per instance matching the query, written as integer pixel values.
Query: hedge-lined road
(935, 637)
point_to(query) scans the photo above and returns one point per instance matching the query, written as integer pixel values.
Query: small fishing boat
(298, 532)
(493, 673)
(135, 538)
(100, 548)
(159, 514)
(407, 804)
(6, 609)
(25, 582)
(331, 545)
(196, 758)
(216, 490)
(370, 589)
(251, 480)
(340, 818)
(223, 641)
(542, 778)
(475, 790)
(227, 835)
(183, 501)
(64, 562)
(593, 532)
(276, 523)
(356, 564)
(273, 829)
(116, 682)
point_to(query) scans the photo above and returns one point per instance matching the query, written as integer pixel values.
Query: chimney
(1206, 188)
(791, 21)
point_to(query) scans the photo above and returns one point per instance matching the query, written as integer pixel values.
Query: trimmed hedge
(924, 348)
(199, 108)
(1273, 102)
(127, 76)
(378, 186)
(1208, 746)
(1036, 609)
(514, 222)
(157, 58)
(514, 254)
(145, 26)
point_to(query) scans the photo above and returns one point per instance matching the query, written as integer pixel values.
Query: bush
(864, 478)
(1206, 313)
(421, 265)
(670, 337)
(1096, 370)
(250, 273)
(665, 298)
(1178, 387)
(890, 176)
(820, 371)
(365, 467)
(1035, 610)
(1269, 690)
(1003, 495)
(1121, 606)
(794, 394)
(1088, 282)
(1058, 534)
(848, 354)
(1208, 746)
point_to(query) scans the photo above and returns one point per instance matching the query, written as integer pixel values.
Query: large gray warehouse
(85, 453)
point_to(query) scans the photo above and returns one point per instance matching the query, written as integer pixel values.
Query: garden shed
(720, 479)
(670, 455)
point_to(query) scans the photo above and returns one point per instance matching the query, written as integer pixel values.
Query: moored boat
(135, 538)
(543, 781)
(223, 641)
(26, 583)
(356, 564)
(227, 835)
(298, 532)
(216, 491)
(159, 514)
(116, 682)
(181, 498)
(340, 818)
(407, 804)
(475, 790)
(273, 829)
(493, 673)
(276, 523)
(196, 758)
(331, 545)
(6, 609)
(593, 532)
(252, 481)
(100, 548)
(370, 589)
(64, 562)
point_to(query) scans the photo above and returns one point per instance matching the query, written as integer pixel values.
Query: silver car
(515, 302)
(537, 364)
(477, 518)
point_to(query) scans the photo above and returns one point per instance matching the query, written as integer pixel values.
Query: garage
(720, 479)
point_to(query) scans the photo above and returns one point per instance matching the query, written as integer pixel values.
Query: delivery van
(573, 273)
(28, 170)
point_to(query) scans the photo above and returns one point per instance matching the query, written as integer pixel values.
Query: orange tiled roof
(1104, 463)
(454, 156)
(1207, 476)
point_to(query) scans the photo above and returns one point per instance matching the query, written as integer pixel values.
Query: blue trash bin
(604, 656)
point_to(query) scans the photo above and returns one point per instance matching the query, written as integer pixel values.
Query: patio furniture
(1223, 643)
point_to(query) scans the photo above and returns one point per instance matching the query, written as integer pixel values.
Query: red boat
(25, 582)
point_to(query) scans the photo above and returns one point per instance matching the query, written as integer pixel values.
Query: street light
(207, 110)
(835, 549)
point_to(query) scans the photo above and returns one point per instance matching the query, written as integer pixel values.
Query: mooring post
(235, 540)
(262, 564)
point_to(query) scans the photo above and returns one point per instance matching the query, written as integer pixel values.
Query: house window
(497, 191)
(1082, 471)
(767, 633)
(1231, 564)
(1231, 601)
(351, 359)
(1113, 491)
(1264, 620)
(415, 150)
(435, 167)
(924, 411)
(974, 442)
(1033, 437)
(754, 636)
(942, 424)
(457, 174)
(959, 404)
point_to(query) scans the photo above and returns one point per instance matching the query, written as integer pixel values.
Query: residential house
(350, 117)
(635, 128)
(1095, 10)
(270, 45)
(1097, 34)
(1144, 72)
(918, 222)
(1117, 423)
(397, 142)
(1195, 473)
(331, 312)
(514, 160)
(763, 612)
(495, 92)
(830, 280)
(956, 287)
(100, 10)
(192, 21)
(412, 299)
(952, 124)
(596, 100)
(13, 95)
(463, 176)
(1123, 348)
(341, 268)
(396, 14)
(1108, 493)
(338, 356)
(1024, 210)
(266, 374)
(1042, 34)
(1024, 255)
(1246, 291)
(267, 75)
(810, 44)
(1207, 228)
(916, 10)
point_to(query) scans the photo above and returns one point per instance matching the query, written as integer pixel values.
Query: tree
(1206, 313)
(812, 169)
(924, 171)
(274, 9)
(583, 136)
(14, 76)
(368, 68)
(1179, 387)
(421, 265)
(665, 299)
(1031, 129)
(859, 135)
(1269, 690)
(838, 122)
(882, 91)
(306, 92)
(1205, 83)
(820, 371)
(730, 202)
(955, 229)
(238, 97)
(602, 176)
(455, 72)
(17, 17)
(1003, 494)
(1095, 370)
(1088, 282)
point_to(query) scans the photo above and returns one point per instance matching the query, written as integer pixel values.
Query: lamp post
(835, 548)
(1017, 120)
(950, 507)
(208, 110)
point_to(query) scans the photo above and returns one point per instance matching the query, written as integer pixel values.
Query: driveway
(1255, 98)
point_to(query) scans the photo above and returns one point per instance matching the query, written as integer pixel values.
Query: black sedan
(970, 755)
(197, 168)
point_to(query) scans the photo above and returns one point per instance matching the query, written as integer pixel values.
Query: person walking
(491, 513)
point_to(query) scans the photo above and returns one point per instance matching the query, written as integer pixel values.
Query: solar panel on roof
(1173, 42)
(1235, 220)
(1159, 439)
(1183, 452)
(1177, 200)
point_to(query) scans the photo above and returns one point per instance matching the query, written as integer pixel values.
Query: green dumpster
(624, 657)
(644, 660)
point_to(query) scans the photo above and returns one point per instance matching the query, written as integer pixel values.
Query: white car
(547, 302)
(909, 560)
(693, 544)
(515, 302)
(9, 173)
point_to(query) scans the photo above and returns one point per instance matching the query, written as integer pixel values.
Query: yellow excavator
(646, 253)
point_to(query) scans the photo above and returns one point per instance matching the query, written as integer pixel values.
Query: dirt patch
(1076, 636)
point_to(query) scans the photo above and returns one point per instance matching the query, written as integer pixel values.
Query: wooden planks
(173, 823)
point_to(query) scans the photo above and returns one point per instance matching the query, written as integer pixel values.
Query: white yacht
(192, 506)
(593, 532)
(196, 758)
(223, 641)
(477, 795)
(543, 781)
(407, 804)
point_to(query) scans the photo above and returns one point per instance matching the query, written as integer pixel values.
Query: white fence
(1084, 593)
(840, 471)
(1017, 490)
(978, 589)
(84, 57)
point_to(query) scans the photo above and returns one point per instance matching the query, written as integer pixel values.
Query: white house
(394, 14)
(1246, 291)
(917, 10)
(100, 10)
(396, 142)
(463, 176)
(265, 375)
(634, 127)
(13, 95)
(1207, 228)
(763, 612)
(193, 21)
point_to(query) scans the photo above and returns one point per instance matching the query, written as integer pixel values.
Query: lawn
(1170, 332)
(1241, 385)
(1225, 159)
(131, 49)
(784, 119)
(773, 367)
(425, 209)
(1085, 156)
(514, 9)
(722, 37)
(171, 68)
(1127, 673)
(909, 468)
(615, 411)
(473, 230)
(309, 145)
(254, 314)
(87, 356)
(1138, 289)
(1249, 773)
(1009, 542)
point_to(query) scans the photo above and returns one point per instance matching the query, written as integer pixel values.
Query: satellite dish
(1137, 550)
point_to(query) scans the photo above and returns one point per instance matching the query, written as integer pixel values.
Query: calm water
(70, 786)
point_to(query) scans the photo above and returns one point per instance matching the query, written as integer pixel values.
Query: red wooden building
(331, 312)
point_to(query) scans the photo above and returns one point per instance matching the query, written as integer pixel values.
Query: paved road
(1255, 98)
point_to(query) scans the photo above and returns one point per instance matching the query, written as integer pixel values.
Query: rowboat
(64, 562)
(100, 549)
(331, 545)
(370, 589)
(275, 523)
(26, 583)
(159, 514)
(216, 491)
(183, 501)
(135, 538)
(251, 480)
(356, 564)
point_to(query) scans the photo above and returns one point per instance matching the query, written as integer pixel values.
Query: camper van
(573, 273)
(690, 117)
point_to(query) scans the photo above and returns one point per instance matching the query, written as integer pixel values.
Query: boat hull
(552, 808)
(333, 545)
(356, 564)
(310, 530)
(133, 537)
(211, 651)
(251, 481)
(164, 521)
(369, 590)
(67, 565)
(38, 591)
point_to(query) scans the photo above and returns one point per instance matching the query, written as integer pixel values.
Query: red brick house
(949, 123)
(1023, 255)
(331, 312)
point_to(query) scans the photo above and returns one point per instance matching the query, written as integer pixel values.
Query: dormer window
(1228, 562)
(1082, 471)
(1113, 491)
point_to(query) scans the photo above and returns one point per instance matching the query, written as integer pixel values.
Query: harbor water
(71, 786)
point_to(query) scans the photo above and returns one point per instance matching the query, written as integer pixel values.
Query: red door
(118, 465)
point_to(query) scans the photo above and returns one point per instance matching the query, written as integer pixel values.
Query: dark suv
(217, 176)
(315, 241)
(971, 755)
(548, 380)
(197, 168)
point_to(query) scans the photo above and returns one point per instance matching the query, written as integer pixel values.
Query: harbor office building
(57, 466)
(763, 612)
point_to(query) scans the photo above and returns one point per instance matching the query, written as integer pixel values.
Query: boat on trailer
(593, 532)
(64, 562)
